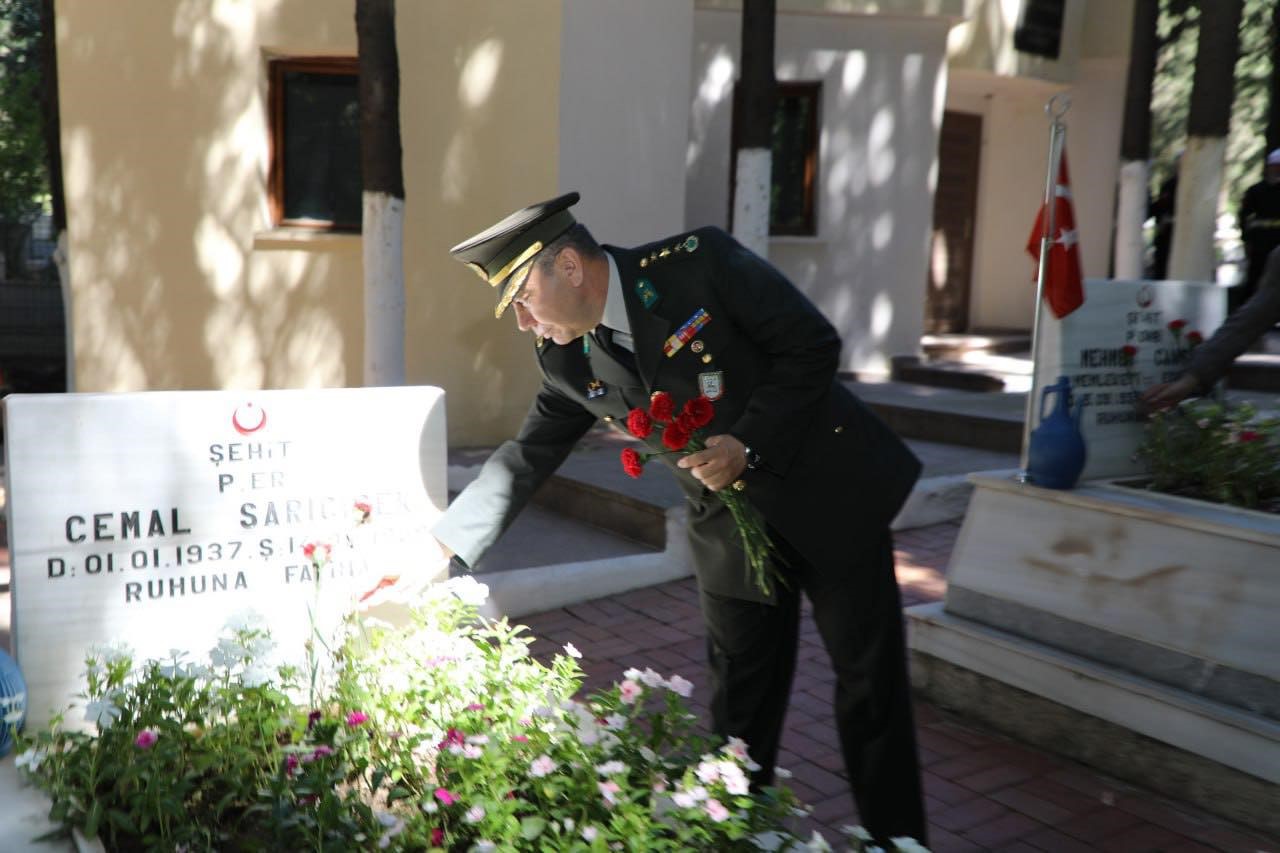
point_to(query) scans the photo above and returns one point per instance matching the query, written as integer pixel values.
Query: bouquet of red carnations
(683, 433)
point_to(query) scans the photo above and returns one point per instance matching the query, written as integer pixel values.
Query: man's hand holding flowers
(720, 465)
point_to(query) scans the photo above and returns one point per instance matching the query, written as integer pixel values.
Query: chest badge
(711, 384)
(686, 332)
(595, 388)
(648, 295)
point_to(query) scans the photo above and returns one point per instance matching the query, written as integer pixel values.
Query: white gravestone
(150, 519)
(1089, 347)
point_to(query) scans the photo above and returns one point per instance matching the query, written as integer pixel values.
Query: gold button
(608, 419)
(739, 486)
(644, 262)
(706, 359)
(839, 429)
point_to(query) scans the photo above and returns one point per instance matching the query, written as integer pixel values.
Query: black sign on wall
(1040, 31)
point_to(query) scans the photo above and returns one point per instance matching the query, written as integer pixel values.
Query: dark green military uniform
(830, 479)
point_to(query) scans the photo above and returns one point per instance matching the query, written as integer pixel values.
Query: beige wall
(984, 40)
(177, 280)
(883, 83)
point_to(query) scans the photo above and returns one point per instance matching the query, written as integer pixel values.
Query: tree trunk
(754, 108)
(51, 111)
(1200, 179)
(383, 197)
(1135, 143)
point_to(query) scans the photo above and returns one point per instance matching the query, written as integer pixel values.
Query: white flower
(572, 651)
(478, 740)
(908, 845)
(475, 814)
(611, 768)
(615, 721)
(632, 674)
(652, 679)
(818, 844)
(568, 824)
(472, 751)
(857, 832)
(245, 620)
(782, 772)
(680, 686)
(768, 840)
(541, 766)
(698, 793)
(102, 713)
(683, 799)
(648, 754)
(589, 833)
(483, 845)
(429, 806)
(30, 759)
(735, 781)
(394, 825)
(255, 675)
(467, 590)
(708, 772)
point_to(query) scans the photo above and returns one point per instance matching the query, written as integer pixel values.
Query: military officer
(698, 314)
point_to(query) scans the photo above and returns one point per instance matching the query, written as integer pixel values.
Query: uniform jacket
(832, 475)
(1212, 359)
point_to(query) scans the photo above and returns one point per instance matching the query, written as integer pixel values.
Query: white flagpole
(1055, 109)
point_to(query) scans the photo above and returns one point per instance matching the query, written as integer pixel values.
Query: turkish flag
(1063, 282)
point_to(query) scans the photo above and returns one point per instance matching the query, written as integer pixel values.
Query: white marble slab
(1088, 347)
(1199, 579)
(150, 518)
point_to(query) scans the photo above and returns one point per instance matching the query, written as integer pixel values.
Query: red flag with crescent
(1063, 281)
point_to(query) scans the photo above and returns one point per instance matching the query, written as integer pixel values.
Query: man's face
(551, 305)
(1273, 173)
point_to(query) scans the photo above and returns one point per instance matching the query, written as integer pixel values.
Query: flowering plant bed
(440, 733)
(1210, 451)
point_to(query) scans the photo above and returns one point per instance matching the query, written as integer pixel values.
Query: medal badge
(595, 388)
(686, 332)
(648, 296)
(711, 384)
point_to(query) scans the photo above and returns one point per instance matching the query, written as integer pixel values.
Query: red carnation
(685, 423)
(661, 409)
(639, 423)
(1247, 435)
(1195, 338)
(1176, 326)
(674, 437)
(1129, 350)
(631, 461)
(700, 410)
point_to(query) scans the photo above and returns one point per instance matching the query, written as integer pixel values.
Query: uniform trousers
(752, 649)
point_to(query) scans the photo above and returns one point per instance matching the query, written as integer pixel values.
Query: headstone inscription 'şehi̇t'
(151, 519)
(1126, 337)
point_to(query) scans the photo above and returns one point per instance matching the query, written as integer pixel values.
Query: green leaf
(92, 821)
(532, 827)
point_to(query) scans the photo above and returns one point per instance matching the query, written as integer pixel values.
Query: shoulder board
(662, 252)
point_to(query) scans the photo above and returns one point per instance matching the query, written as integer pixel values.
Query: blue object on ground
(13, 701)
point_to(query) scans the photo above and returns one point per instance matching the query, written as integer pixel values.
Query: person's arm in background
(1212, 359)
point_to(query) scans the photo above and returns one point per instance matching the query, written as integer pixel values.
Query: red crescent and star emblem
(1146, 296)
(248, 419)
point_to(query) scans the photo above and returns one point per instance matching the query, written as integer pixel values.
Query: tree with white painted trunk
(1200, 179)
(383, 197)
(1135, 143)
(753, 114)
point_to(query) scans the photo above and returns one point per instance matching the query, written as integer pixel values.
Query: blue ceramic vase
(13, 701)
(1056, 452)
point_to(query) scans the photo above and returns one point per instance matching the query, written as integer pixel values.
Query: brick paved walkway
(984, 791)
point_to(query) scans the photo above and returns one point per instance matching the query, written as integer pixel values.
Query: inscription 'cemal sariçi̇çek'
(126, 524)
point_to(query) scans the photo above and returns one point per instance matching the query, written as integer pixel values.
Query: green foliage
(1178, 29)
(23, 172)
(441, 733)
(1213, 452)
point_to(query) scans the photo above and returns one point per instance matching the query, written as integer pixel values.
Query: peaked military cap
(503, 254)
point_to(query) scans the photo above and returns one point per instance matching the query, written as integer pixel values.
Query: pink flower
(453, 737)
(1246, 435)
(716, 810)
(437, 837)
(290, 763)
(520, 738)
(445, 796)
(146, 739)
(629, 692)
(317, 552)
(313, 718)
(356, 718)
(541, 766)
(362, 511)
(475, 706)
(321, 751)
(609, 790)
(475, 814)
